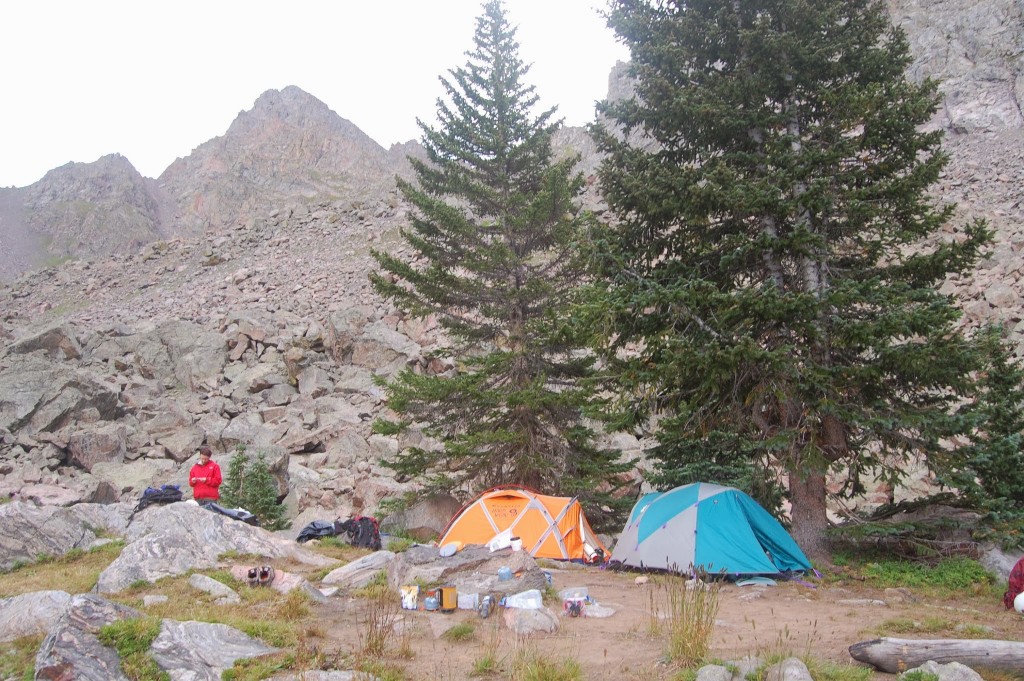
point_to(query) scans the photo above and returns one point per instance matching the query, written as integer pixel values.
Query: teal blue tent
(711, 527)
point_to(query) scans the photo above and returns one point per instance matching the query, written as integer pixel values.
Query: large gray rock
(953, 671)
(474, 569)
(71, 651)
(173, 539)
(360, 571)
(790, 669)
(425, 519)
(28, 531)
(31, 614)
(201, 651)
(58, 342)
(39, 395)
(529, 621)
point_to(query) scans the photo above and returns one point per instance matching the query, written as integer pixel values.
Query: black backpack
(362, 531)
(165, 494)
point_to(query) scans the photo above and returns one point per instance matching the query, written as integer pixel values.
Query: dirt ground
(820, 619)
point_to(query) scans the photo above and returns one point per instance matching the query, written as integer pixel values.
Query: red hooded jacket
(205, 490)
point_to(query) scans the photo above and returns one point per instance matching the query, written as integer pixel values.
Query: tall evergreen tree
(766, 265)
(492, 233)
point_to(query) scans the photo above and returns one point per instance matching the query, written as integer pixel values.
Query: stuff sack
(165, 494)
(315, 530)
(1015, 585)
(362, 531)
(236, 513)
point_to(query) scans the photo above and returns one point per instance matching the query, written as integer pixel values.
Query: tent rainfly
(711, 527)
(549, 527)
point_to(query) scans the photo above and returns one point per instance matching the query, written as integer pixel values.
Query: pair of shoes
(254, 576)
(266, 575)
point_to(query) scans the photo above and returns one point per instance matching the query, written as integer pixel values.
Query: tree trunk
(807, 494)
(896, 655)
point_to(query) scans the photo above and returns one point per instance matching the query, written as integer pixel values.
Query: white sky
(153, 80)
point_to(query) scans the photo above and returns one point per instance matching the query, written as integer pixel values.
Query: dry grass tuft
(684, 612)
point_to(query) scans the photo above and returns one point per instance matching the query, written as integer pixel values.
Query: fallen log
(895, 655)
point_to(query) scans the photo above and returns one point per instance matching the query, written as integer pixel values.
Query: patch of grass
(132, 638)
(337, 548)
(484, 665)
(950, 577)
(529, 665)
(918, 675)
(18, 658)
(258, 668)
(823, 670)
(383, 671)
(906, 625)
(75, 572)
(373, 589)
(400, 544)
(274, 633)
(463, 631)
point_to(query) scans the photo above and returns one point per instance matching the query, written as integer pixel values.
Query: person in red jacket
(205, 478)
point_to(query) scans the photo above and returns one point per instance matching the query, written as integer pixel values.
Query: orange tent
(550, 527)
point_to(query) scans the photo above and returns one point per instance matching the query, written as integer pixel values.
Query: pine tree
(766, 267)
(231, 489)
(492, 233)
(249, 485)
(260, 493)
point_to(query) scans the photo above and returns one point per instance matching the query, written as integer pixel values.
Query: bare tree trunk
(807, 493)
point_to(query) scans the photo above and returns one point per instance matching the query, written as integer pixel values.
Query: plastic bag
(531, 599)
(502, 540)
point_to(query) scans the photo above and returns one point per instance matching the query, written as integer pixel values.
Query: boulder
(425, 519)
(58, 342)
(28, 531)
(31, 614)
(176, 538)
(360, 571)
(529, 621)
(953, 671)
(224, 594)
(72, 651)
(790, 669)
(201, 651)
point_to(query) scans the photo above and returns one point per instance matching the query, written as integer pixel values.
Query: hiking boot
(254, 576)
(266, 575)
